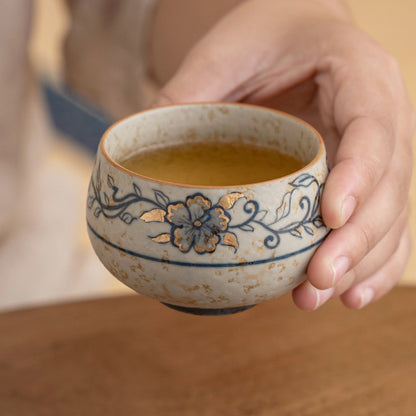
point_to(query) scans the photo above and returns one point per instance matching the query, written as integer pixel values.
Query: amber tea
(213, 164)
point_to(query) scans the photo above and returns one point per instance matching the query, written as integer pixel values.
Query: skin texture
(306, 57)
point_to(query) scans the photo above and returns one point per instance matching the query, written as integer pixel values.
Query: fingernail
(322, 296)
(367, 296)
(348, 208)
(339, 268)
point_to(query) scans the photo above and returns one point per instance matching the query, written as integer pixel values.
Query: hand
(306, 57)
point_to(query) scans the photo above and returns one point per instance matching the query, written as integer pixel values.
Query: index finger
(369, 107)
(363, 156)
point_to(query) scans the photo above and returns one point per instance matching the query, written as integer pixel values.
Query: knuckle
(389, 62)
(371, 169)
(346, 282)
(396, 243)
(399, 233)
(364, 169)
(403, 219)
(368, 169)
(364, 240)
(400, 179)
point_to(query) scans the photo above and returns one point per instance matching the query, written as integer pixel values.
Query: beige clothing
(40, 205)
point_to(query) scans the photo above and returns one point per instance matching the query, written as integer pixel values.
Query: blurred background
(62, 264)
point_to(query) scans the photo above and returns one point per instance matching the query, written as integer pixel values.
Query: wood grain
(131, 355)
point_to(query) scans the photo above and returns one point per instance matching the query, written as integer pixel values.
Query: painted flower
(196, 224)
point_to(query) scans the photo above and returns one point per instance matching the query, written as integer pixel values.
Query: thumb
(202, 76)
(218, 66)
(196, 80)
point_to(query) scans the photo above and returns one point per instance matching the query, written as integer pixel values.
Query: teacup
(259, 236)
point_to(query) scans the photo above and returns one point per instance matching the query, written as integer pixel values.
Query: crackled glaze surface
(207, 247)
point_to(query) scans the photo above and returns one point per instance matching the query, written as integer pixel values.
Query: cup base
(209, 312)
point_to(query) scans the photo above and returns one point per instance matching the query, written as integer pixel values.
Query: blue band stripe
(214, 265)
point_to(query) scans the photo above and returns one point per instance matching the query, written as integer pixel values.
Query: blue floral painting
(199, 224)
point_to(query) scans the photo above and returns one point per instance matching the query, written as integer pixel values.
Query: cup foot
(209, 312)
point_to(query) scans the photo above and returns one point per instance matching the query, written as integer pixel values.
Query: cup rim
(202, 103)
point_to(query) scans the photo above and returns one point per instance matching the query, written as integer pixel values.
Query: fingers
(199, 78)
(381, 282)
(372, 113)
(364, 154)
(307, 297)
(377, 257)
(365, 191)
(345, 247)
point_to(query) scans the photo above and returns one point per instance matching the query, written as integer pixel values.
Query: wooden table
(134, 356)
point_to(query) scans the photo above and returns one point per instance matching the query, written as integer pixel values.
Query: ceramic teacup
(256, 240)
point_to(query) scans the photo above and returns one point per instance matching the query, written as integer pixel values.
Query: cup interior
(216, 122)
